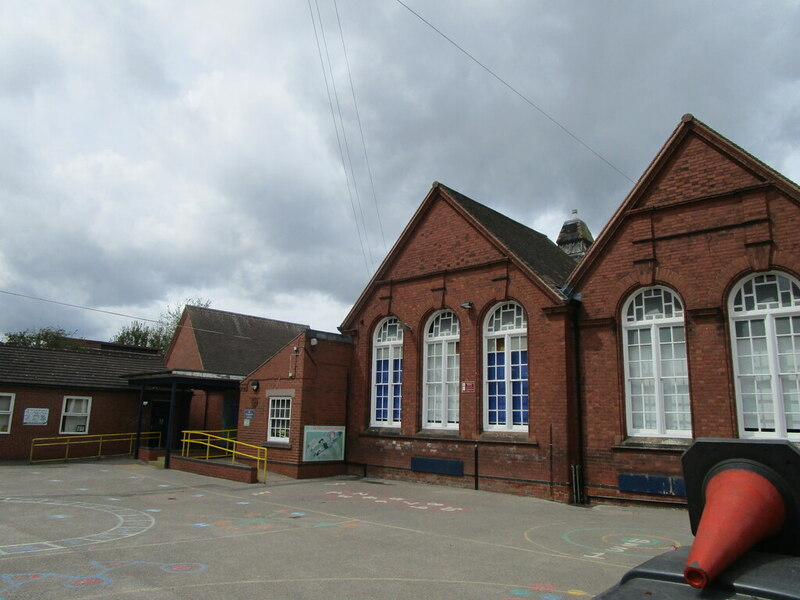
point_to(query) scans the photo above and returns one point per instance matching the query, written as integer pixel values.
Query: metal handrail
(209, 440)
(81, 440)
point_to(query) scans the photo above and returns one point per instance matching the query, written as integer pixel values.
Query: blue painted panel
(441, 466)
(651, 484)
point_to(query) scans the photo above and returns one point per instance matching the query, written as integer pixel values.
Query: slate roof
(237, 344)
(95, 369)
(534, 249)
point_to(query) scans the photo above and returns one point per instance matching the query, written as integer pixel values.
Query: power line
(360, 128)
(513, 89)
(344, 136)
(99, 310)
(118, 314)
(338, 139)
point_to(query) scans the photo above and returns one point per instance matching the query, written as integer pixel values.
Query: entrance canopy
(186, 380)
(176, 380)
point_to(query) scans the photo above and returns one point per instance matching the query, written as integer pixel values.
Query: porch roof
(186, 379)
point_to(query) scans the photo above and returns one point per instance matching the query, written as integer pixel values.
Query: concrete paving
(118, 528)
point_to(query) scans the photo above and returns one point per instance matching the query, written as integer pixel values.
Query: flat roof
(186, 379)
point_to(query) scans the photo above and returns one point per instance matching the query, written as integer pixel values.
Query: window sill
(508, 437)
(438, 433)
(443, 435)
(383, 431)
(653, 444)
(277, 445)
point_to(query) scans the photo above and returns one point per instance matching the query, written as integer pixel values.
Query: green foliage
(141, 334)
(46, 337)
(158, 334)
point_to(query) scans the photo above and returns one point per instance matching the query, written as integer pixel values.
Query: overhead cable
(513, 89)
(360, 128)
(338, 139)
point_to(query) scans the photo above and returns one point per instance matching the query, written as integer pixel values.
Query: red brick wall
(699, 247)
(315, 376)
(241, 473)
(111, 412)
(536, 462)
(183, 353)
(205, 411)
(199, 411)
(442, 240)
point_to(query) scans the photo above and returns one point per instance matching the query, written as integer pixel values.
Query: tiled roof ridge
(191, 307)
(466, 201)
(82, 351)
(549, 262)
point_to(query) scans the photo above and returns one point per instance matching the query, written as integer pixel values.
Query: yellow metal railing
(114, 442)
(213, 445)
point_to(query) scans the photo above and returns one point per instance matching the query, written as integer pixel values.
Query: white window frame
(279, 419)
(441, 372)
(506, 326)
(768, 347)
(6, 428)
(387, 345)
(72, 414)
(666, 368)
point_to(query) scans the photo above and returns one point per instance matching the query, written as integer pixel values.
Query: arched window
(440, 388)
(505, 372)
(656, 373)
(765, 330)
(387, 374)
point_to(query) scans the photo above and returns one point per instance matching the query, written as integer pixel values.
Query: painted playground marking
(99, 578)
(543, 592)
(605, 541)
(275, 521)
(397, 501)
(130, 522)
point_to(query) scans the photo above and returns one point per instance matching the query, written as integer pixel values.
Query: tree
(46, 337)
(158, 334)
(140, 334)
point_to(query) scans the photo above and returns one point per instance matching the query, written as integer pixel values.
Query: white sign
(35, 416)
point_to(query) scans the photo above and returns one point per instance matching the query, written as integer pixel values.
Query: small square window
(280, 412)
(6, 411)
(75, 414)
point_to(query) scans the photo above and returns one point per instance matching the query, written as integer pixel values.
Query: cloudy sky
(152, 151)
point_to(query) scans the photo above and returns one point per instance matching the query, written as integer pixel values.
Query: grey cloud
(192, 152)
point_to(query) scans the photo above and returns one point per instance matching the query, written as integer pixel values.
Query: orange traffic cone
(741, 509)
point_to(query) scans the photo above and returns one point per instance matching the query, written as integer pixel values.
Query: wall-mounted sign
(249, 413)
(35, 416)
(468, 387)
(323, 443)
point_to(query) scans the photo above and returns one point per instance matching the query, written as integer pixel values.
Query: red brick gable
(451, 233)
(183, 352)
(696, 169)
(695, 165)
(441, 240)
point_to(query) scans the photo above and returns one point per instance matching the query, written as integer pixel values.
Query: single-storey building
(463, 358)
(69, 393)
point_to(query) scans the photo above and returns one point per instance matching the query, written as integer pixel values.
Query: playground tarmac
(121, 529)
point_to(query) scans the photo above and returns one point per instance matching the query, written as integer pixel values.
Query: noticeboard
(323, 443)
(35, 416)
